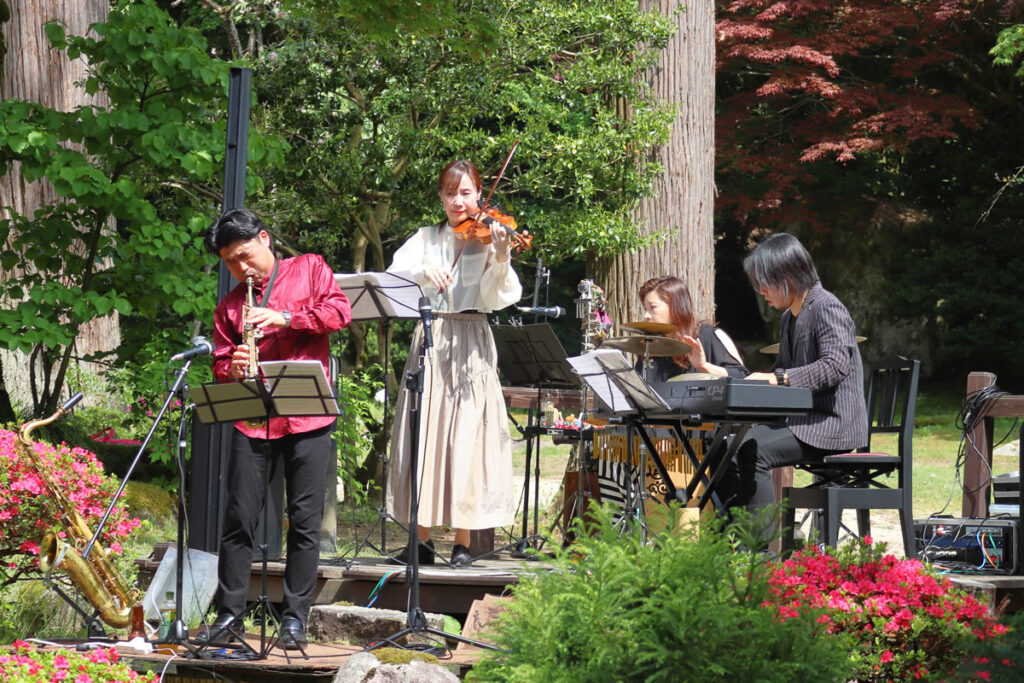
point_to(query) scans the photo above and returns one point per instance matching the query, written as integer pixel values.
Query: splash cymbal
(647, 345)
(774, 348)
(644, 327)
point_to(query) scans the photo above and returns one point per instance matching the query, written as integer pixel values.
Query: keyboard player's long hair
(676, 294)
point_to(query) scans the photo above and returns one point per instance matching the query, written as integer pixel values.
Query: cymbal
(693, 377)
(774, 348)
(647, 345)
(644, 327)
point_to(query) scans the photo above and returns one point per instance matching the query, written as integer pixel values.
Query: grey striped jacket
(823, 356)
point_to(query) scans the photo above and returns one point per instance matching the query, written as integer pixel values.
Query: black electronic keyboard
(730, 398)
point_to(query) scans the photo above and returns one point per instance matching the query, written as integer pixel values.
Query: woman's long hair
(676, 294)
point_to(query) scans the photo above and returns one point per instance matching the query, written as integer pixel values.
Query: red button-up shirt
(304, 286)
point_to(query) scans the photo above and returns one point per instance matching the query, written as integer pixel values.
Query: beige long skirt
(465, 456)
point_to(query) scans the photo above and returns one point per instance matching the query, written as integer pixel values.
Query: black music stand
(385, 297)
(626, 395)
(284, 388)
(531, 355)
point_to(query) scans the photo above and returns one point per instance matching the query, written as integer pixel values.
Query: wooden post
(978, 454)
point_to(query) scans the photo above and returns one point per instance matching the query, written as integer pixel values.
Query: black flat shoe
(219, 630)
(461, 556)
(293, 634)
(426, 554)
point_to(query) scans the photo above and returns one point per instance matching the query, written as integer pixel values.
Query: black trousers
(764, 448)
(305, 458)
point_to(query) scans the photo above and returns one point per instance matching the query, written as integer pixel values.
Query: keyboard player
(817, 351)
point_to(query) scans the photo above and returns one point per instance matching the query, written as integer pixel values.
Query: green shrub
(614, 608)
(353, 434)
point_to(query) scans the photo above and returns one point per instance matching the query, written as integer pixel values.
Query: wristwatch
(781, 377)
(287, 315)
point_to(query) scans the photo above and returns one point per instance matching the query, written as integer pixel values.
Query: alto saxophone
(96, 576)
(250, 336)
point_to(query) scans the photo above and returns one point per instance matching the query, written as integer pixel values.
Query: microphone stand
(542, 274)
(178, 388)
(416, 620)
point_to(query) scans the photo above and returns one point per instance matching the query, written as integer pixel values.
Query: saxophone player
(295, 304)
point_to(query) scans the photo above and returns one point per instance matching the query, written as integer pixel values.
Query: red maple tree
(808, 89)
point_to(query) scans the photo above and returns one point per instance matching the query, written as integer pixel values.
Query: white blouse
(479, 281)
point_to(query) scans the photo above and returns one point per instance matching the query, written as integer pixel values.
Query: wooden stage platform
(443, 589)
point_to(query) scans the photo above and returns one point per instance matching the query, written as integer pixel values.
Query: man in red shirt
(297, 304)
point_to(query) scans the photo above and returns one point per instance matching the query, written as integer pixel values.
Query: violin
(479, 227)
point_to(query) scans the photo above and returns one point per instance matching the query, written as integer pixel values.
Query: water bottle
(547, 412)
(168, 615)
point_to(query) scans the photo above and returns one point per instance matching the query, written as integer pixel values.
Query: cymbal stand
(590, 306)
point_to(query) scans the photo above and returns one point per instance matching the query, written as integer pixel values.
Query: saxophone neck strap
(270, 285)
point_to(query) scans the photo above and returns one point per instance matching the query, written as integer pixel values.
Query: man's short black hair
(231, 226)
(781, 261)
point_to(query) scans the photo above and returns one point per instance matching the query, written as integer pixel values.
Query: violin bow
(487, 201)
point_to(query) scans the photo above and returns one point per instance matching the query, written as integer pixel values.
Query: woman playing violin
(465, 450)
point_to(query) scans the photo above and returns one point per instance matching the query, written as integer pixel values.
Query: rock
(363, 625)
(363, 667)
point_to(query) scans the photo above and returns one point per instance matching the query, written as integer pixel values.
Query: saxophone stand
(386, 297)
(416, 620)
(282, 389)
(94, 629)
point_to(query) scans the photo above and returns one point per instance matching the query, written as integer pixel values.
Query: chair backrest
(892, 402)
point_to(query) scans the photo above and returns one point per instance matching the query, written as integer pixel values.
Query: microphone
(428, 339)
(201, 346)
(549, 311)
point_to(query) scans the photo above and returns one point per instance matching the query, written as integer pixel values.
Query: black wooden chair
(862, 480)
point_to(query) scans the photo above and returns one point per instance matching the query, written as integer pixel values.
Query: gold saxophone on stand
(250, 336)
(96, 577)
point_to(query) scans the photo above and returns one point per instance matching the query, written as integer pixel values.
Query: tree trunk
(683, 199)
(34, 71)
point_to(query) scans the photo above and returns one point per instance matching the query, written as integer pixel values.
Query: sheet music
(615, 382)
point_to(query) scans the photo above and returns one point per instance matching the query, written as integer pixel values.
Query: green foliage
(28, 608)
(1009, 48)
(369, 129)
(133, 181)
(615, 608)
(359, 409)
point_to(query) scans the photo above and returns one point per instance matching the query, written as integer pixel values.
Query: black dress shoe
(293, 634)
(461, 556)
(426, 554)
(218, 630)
